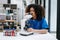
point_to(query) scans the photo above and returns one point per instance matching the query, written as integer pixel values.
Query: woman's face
(32, 12)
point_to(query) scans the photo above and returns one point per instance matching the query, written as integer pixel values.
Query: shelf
(2, 20)
(7, 20)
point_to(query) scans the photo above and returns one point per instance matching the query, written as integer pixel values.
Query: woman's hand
(30, 30)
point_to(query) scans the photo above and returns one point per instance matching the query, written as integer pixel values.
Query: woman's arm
(43, 31)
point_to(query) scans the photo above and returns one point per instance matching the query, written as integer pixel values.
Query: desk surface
(31, 37)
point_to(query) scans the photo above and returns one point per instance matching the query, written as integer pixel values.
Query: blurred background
(49, 5)
(19, 6)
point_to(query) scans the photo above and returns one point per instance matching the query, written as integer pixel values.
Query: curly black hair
(38, 10)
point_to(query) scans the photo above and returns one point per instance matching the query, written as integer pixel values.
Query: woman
(37, 23)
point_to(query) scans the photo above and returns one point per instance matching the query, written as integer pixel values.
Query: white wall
(46, 11)
(30, 1)
(21, 8)
(3, 1)
(53, 15)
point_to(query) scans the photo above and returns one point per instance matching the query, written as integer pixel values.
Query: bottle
(12, 33)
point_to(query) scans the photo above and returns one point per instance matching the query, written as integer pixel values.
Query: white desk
(31, 37)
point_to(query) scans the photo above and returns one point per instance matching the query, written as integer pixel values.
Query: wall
(3, 1)
(46, 11)
(53, 15)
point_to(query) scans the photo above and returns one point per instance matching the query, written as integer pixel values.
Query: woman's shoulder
(43, 19)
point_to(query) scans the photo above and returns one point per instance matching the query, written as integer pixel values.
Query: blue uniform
(35, 24)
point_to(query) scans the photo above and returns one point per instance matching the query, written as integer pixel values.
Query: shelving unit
(9, 20)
